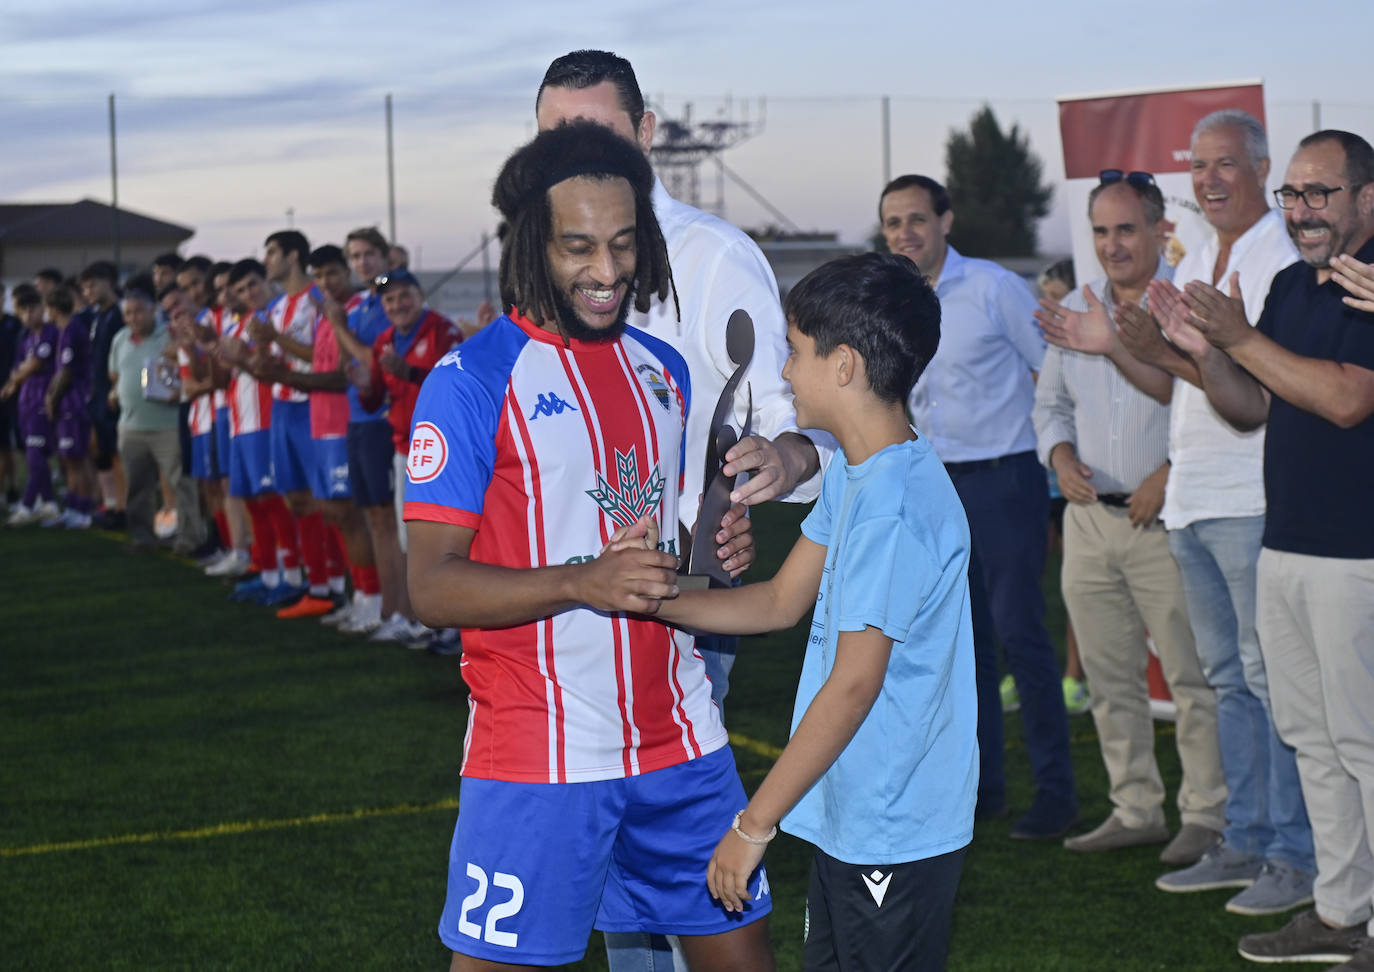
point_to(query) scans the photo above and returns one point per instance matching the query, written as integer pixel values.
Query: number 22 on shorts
(491, 934)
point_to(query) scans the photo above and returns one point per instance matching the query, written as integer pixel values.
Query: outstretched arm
(830, 722)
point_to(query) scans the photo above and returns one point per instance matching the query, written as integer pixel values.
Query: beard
(573, 326)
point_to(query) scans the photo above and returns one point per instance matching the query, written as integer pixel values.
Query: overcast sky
(231, 115)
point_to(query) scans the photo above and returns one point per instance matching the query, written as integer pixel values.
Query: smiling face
(912, 229)
(332, 279)
(591, 255)
(1344, 225)
(1228, 184)
(403, 304)
(1126, 245)
(252, 293)
(810, 376)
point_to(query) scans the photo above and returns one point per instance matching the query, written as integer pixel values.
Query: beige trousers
(1315, 617)
(1119, 581)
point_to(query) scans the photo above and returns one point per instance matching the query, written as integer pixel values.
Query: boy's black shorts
(880, 917)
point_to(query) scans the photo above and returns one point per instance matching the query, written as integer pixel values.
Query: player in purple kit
(29, 380)
(98, 286)
(66, 406)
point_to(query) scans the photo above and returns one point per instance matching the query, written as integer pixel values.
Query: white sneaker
(394, 628)
(21, 515)
(366, 617)
(77, 521)
(417, 636)
(54, 517)
(165, 524)
(234, 563)
(341, 615)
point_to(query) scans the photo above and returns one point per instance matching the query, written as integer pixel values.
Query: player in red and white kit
(532, 445)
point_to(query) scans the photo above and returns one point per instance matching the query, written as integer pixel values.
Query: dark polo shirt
(1319, 478)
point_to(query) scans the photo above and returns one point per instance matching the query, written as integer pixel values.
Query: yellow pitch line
(224, 829)
(254, 826)
(755, 746)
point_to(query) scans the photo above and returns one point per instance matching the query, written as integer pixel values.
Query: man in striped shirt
(532, 445)
(1108, 442)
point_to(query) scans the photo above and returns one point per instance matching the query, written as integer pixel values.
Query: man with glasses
(1108, 442)
(974, 404)
(1307, 369)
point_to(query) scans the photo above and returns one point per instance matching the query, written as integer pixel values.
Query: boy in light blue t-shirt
(881, 771)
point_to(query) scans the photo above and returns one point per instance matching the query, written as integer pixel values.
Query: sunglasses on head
(1138, 179)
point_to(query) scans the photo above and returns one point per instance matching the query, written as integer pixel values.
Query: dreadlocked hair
(521, 194)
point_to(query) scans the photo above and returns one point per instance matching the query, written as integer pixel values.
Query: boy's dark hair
(101, 270)
(291, 241)
(586, 69)
(169, 259)
(939, 195)
(246, 268)
(171, 288)
(61, 300)
(372, 235)
(217, 268)
(51, 274)
(582, 149)
(881, 306)
(25, 295)
(322, 256)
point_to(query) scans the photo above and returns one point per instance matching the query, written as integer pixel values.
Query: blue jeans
(639, 952)
(1007, 504)
(1265, 813)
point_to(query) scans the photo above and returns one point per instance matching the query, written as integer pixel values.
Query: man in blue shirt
(974, 405)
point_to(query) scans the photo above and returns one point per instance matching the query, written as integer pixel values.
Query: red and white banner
(1142, 131)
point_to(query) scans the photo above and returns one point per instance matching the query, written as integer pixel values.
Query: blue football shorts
(329, 474)
(534, 867)
(222, 442)
(203, 456)
(250, 464)
(292, 448)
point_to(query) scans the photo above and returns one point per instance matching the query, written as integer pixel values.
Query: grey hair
(1252, 132)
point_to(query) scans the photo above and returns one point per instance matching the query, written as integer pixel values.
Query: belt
(1114, 499)
(979, 464)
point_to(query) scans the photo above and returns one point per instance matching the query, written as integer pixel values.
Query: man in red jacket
(402, 356)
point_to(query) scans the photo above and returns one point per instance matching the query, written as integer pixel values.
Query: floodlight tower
(681, 146)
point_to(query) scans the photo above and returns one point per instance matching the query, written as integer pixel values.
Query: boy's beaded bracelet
(757, 841)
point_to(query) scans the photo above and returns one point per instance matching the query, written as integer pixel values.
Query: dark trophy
(703, 569)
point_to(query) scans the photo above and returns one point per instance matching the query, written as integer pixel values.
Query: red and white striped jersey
(250, 400)
(294, 315)
(201, 417)
(544, 450)
(215, 318)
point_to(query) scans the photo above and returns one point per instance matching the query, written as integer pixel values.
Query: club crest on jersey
(550, 404)
(630, 498)
(657, 386)
(428, 453)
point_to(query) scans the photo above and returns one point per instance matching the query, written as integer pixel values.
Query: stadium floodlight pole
(390, 175)
(114, 186)
(886, 139)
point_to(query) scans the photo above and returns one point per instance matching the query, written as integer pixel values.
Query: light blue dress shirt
(974, 400)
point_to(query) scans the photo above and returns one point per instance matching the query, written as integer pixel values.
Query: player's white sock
(337, 585)
(270, 578)
(292, 576)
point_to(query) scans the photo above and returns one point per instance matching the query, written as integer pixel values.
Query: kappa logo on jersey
(630, 498)
(656, 384)
(877, 885)
(550, 404)
(428, 453)
(454, 357)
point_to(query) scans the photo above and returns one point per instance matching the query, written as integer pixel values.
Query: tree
(994, 185)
